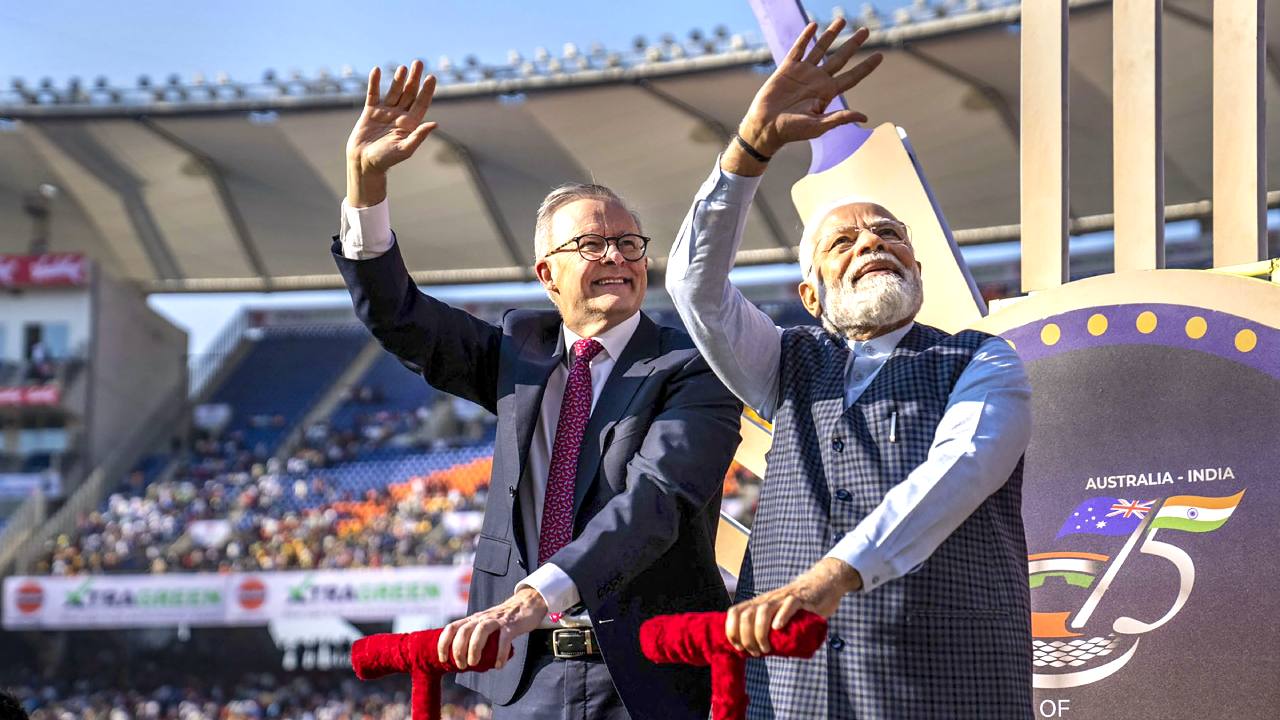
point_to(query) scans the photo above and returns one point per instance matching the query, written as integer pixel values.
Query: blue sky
(61, 39)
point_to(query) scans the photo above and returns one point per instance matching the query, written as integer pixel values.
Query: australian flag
(1106, 516)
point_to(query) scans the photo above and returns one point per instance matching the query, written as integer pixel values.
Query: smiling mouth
(876, 268)
(610, 282)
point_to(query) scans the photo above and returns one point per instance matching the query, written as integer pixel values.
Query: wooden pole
(1138, 136)
(1043, 144)
(1239, 123)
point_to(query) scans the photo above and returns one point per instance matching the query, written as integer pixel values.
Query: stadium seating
(283, 375)
(397, 475)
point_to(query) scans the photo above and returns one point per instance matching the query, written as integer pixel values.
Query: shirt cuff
(863, 557)
(365, 232)
(730, 189)
(555, 586)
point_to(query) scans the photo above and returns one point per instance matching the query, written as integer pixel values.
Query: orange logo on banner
(30, 598)
(464, 586)
(252, 594)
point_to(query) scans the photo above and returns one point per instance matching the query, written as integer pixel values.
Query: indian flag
(1195, 513)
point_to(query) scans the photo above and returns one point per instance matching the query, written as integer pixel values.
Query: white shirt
(984, 429)
(365, 233)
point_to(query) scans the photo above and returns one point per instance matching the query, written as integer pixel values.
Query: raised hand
(791, 104)
(389, 130)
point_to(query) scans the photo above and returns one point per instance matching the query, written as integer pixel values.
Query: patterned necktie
(557, 507)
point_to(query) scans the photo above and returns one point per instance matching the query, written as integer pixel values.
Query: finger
(375, 83)
(847, 80)
(802, 42)
(785, 613)
(763, 620)
(838, 118)
(475, 648)
(460, 645)
(731, 627)
(504, 647)
(446, 640)
(423, 100)
(746, 632)
(411, 85)
(397, 86)
(846, 51)
(824, 42)
(415, 138)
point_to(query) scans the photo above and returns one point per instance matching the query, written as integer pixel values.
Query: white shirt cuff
(555, 586)
(862, 556)
(732, 189)
(365, 233)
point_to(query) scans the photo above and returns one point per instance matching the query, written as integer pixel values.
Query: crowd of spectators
(229, 507)
(257, 696)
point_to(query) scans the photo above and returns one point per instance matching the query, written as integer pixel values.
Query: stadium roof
(224, 187)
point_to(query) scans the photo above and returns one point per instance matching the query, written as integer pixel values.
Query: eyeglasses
(890, 232)
(593, 247)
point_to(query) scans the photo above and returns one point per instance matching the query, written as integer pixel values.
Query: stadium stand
(283, 375)
(395, 476)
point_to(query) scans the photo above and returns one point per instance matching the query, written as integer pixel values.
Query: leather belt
(566, 643)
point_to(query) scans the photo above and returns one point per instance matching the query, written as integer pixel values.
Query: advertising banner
(113, 601)
(361, 595)
(50, 270)
(211, 600)
(30, 396)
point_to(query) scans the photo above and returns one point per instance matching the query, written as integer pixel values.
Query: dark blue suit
(650, 473)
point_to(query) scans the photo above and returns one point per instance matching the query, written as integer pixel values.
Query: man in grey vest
(892, 500)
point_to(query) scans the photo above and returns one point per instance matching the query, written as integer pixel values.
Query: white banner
(204, 599)
(351, 594)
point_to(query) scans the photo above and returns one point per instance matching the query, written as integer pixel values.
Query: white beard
(875, 302)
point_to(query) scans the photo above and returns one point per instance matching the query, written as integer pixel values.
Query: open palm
(391, 128)
(791, 104)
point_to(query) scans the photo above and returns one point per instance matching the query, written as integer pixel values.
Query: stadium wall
(137, 366)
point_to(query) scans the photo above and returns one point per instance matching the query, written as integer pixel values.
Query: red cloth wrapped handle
(415, 653)
(699, 639)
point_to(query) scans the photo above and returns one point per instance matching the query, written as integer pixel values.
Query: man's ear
(542, 269)
(810, 298)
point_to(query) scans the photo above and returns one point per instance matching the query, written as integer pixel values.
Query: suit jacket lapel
(629, 373)
(537, 359)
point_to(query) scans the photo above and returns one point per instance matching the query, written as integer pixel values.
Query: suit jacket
(649, 482)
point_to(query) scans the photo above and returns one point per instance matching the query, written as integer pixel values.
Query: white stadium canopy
(215, 186)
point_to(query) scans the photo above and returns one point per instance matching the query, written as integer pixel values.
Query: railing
(151, 431)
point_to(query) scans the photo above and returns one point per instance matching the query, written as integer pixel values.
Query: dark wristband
(746, 147)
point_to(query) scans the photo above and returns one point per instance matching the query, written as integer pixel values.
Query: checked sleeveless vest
(950, 639)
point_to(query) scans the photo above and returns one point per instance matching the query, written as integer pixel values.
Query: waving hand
(791, 104)
(388, 132)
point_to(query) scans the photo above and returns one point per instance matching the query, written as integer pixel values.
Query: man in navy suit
(613, 440)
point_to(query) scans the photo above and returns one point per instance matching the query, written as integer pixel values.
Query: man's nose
(612, 255)
(868, 242)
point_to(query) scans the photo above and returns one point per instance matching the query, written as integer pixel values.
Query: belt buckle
(571, 643)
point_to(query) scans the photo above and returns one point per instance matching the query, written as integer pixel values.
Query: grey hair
(563, 195)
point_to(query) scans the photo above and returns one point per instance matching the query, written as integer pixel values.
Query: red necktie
(557, 507)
